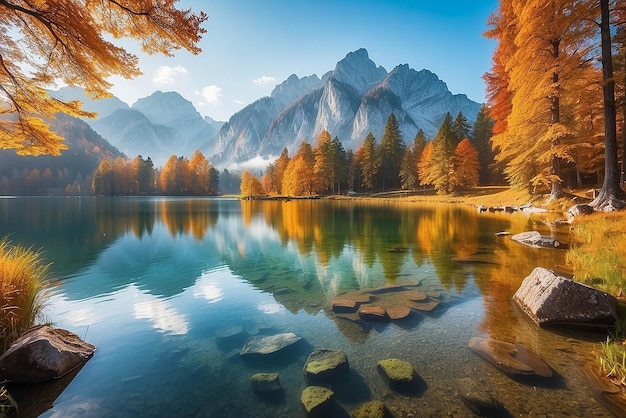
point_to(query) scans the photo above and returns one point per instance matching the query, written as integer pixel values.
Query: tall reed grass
(22, 281)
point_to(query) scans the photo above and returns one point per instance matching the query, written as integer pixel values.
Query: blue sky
(251, 46)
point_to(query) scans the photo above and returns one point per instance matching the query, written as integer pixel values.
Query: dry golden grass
(22, 280)
(598, 256)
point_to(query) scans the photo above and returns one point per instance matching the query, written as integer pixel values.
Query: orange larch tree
(466, 165)
(551, 48)
(65, 41)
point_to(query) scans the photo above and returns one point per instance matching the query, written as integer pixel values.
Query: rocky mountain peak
(359, 71)
(293, 88)
(164, 108)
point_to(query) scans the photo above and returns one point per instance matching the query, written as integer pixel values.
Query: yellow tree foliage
(65, 41)
(250, 185)
(425, 164)
(543, 53)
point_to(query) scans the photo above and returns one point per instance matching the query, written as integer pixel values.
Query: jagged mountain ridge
(158, 126)
(349, 102)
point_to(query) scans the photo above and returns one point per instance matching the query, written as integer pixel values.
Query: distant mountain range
(157, 126)
(349, 102)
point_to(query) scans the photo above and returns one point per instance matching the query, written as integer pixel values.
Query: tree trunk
(611, 192)
(556, 191)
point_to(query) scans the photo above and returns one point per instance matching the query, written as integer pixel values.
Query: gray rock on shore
(44, 353)
(550, 299)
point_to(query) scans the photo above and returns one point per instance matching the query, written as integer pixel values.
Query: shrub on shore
(22, 280)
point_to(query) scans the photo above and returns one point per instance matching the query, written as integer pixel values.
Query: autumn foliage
(67, 41)
(545, 91)
(448, 163)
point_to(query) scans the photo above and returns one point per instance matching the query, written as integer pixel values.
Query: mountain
(103, 107)
(350, 101)
(159, 126)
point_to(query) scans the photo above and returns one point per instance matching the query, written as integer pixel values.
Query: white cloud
(167, 75)
(163, 316)
(211, 94)
(264, 80)
(237, 101)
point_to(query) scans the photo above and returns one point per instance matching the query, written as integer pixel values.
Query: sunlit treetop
(43, 43)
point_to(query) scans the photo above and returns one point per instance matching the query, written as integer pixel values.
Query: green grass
(22, 280)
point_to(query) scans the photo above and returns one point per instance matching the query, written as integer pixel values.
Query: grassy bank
(598, 258)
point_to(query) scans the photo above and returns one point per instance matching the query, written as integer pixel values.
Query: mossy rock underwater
(323, 366)
(399, 375)
(317, 401)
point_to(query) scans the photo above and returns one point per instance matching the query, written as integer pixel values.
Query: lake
(170, 289)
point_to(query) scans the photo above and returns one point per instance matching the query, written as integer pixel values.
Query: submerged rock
(317, 401)
(535, 239)
(372, 409)
(372, 313)
(263, 345)
(477, 398)
(266, 384)
(512, 359)
(398, 312)
(323, 366)
(398, 374)
(44, 353)
(344, 305)
(550, 299)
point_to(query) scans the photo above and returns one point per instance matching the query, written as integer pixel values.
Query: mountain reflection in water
(169, 290)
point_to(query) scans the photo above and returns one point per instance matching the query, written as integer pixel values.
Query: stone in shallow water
(372, 313)
(398, 312)
(317, 401)
(510, 358)
(266, 383)
(478, 399)
(412, 295)
(344, 305)
(535, 239)
(398, 374)
(425, 306)
(372, 409)
(263, 345)
(323, 366)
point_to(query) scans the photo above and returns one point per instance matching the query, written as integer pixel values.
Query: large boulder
(536, 240)
(512, 359)
(44, 353)
(551, 299)
(264, 345)
(323, 366)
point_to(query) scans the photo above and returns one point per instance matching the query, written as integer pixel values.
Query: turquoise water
(169, 290)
